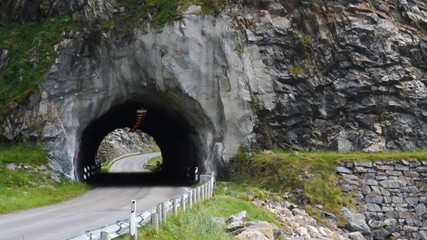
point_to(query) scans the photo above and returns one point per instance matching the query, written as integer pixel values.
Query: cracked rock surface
(340, 75)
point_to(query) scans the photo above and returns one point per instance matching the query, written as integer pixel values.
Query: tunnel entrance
(177, 139)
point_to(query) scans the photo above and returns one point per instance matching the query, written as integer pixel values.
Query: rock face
(27, 10)
(121, 141)
(392, 197)
(4, 58)
(341, 75)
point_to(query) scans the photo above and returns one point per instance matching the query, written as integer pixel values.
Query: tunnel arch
(177, 138)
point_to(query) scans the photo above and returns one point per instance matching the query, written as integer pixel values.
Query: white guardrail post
(105, 236)
(198, 195)
(163, 212)
(175, 206)
(159, 212)
(183, 202)
(132, 224)
(155, 215)
(155, 221)
(190, 199)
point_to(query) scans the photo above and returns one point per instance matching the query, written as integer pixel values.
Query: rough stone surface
(4, 58)
(356, 221)
(340, 75)
(241, 217)
(256, 230)
(235, 225)
(267, 229)
(380, 234)
(27, 10)
(295, 224)
(420, 209)
(121, 141)
(251, 235)
(356, 236)
(396, 207)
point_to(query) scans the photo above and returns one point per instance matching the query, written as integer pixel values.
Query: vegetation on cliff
(30, 48)
(29, 52)
(157, 12)
(25, 181)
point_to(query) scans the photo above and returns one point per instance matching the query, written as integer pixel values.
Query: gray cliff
(340, 75)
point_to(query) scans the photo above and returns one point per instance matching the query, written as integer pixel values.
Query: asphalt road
(98, 207)
(133, 163)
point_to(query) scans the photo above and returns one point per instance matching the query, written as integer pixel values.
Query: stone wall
(392, 195)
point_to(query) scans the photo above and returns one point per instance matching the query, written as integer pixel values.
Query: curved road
(133, 163)
(95, 208)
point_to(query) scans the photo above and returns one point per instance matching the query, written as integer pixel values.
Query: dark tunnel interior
(175, 136)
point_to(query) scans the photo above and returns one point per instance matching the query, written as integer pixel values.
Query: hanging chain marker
(139, 115)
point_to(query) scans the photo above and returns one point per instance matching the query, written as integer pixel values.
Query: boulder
(251, 235)
(235, 226)
(270, 231)
(380, 234)
(356, 221)
(355, 236)
(420, 209)
(238, 217)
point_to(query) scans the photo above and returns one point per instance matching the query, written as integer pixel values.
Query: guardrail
(155, 215)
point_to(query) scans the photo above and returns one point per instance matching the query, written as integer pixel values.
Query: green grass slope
(25, 182)
(312, 172)
(197, 224)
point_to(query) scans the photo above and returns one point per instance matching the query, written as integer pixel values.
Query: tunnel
(176, 137)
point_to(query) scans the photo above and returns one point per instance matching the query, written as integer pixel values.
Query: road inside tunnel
(176, 137)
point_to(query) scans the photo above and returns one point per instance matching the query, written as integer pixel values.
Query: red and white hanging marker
(139, 115)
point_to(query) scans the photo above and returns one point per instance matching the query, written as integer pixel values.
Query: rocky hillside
(345, 76)
(341, 75)
(121, 141)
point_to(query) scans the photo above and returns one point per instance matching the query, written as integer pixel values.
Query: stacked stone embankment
(392, 195)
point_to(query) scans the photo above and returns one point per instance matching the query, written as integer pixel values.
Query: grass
(152, 163)
(37, 191)
(313, 172)
(295, 70)
(22, 153)
(269, 176)
(25, 42)
(197, 223)
(26, 188)
(161, 12)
